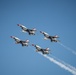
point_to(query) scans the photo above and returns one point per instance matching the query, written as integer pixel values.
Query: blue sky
(52, 16)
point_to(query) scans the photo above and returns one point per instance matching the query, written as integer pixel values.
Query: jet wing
(27, 41)
(22, 41)
(56, 36)
(34, 29)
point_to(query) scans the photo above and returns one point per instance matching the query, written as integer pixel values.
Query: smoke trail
(69, 49)
(71, 67)
(62, 65)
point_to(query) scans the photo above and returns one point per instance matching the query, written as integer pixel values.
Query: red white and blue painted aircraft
(39, 49)
(29, 31)
(18, 41)
(52, 38)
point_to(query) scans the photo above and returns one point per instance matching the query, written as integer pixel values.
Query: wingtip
(27, 40)
(57, 36)
(34, 29)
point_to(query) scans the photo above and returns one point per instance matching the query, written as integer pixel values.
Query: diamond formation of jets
(18, 41)
(32, 32)
(29, 31)
(44, 51)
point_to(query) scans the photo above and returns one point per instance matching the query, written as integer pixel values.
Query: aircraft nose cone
(41, 32)
(11, 36)
(18, 25)
(32, 44)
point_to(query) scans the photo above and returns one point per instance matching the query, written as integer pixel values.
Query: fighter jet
(52, 38)
(39, 49)
(29, 31)
(18, 41)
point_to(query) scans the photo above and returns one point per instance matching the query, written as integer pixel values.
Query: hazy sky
(52, 16)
